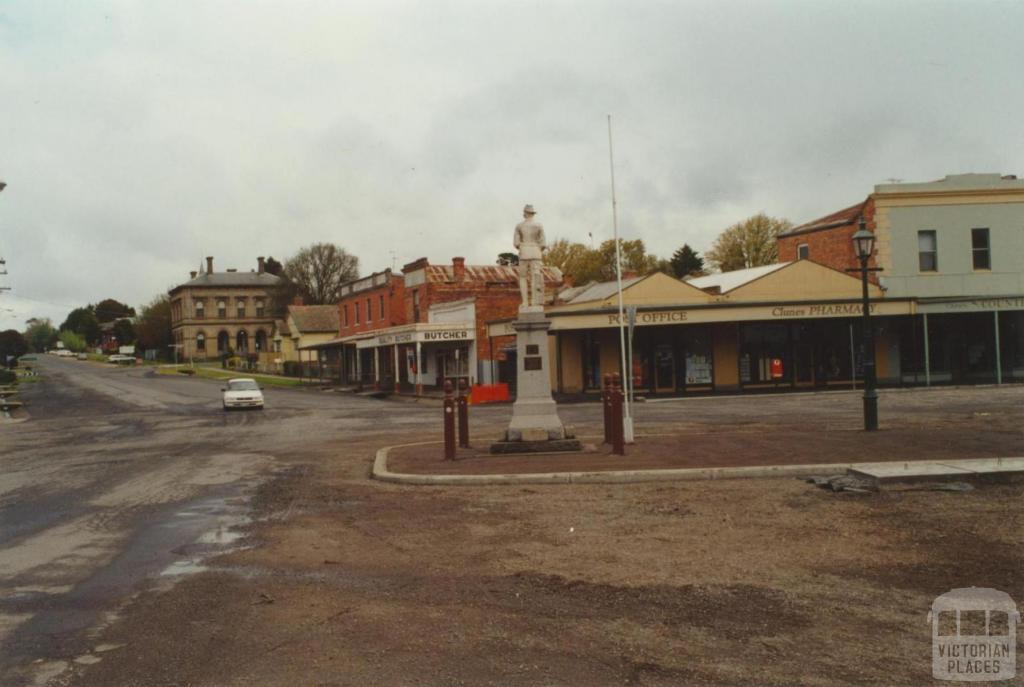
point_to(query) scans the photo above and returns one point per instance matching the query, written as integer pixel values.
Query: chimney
(459, 268)
(192, 274)
(262, 262)
(209, 265)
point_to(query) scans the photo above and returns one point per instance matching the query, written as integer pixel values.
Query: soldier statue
(529, 241)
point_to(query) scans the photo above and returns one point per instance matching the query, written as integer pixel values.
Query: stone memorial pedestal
(535, 425)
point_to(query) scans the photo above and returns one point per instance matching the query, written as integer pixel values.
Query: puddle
(220, 537)
(183, 568)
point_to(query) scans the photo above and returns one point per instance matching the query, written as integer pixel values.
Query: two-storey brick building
(215, 313)
(413, 331)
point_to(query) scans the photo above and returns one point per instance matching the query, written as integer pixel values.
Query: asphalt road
(123, 481)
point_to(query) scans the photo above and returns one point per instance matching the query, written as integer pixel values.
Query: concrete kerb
(381, 473)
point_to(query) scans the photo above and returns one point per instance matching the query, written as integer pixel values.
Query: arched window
(241, 342)
(259, 309)
(201, 342)
(222, 309)
(240, 307)
(200, 309)
(261, 341)
(223, 341)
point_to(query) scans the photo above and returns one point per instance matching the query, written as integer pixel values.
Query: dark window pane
(927, 262)
(981, 260)
(979, 238)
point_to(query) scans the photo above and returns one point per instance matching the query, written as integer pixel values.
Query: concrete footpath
(888, 471)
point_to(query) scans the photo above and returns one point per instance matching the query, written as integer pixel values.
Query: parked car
(82, 356)
(118, 358)
(242, 393)
(64, 353)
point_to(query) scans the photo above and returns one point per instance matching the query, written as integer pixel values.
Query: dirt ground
(731, 582)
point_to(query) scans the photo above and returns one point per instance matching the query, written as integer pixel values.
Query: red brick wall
(394, 314)
(832, 247)
(493, 302)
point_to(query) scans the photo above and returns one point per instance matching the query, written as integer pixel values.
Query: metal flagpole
(627, 373)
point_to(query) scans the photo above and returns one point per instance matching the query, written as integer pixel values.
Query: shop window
(200, 309)
(803, 251)
(980, 249)
(927, 251)
(697, 344)
(591, 361)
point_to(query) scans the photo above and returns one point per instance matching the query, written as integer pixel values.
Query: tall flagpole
(627, 420)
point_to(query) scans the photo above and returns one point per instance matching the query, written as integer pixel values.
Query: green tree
(40, 334)
(109, 310)
(124, 330)
(582, 265)
(274, 267)
(750, 243)
(82, 321)
(153, 326)
(686, 262)
(635, 259)
(73, 341)
(12, 346)
(318, 272)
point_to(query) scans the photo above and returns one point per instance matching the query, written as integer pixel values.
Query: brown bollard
(463, 403)
(449, 421)
(618, 429)
(606, 401)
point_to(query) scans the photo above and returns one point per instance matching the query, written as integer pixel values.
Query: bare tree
(750, 243)
(318, 271)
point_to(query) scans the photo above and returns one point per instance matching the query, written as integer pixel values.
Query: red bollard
(449, 421)
(606, 401)
(463, 403)
(618, 430)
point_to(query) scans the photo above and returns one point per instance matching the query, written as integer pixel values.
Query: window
(356, 307)
(240, 306)
(259, 308)
(927, 252)
(980, 249)
(200, 309)
(416, 305)
(344, 315)
(369, 309)
(380, 306)
(222, 309)
(803, 251)
(200, 342)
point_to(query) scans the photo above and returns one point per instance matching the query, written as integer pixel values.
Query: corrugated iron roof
(491, 274)
(314, 318)
(727, 281)
(836, 219)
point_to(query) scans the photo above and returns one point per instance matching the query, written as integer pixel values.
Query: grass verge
(217, 373)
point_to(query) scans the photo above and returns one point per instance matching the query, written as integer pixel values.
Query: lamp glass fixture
(863, 241)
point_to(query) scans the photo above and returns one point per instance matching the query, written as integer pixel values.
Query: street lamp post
(864, 245)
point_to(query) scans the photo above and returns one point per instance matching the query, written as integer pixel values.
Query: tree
(109, 310)
(272, 266)
(124, 331)
(12, 346)
(317, 272)
(686, 262)
(40, 334)
(507, 259)
(82, 321)
(73, 341)
(750, 243)
(581, 264)
(153, 326)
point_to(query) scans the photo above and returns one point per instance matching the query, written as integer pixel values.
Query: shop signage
(654, 317)
(974, 305)
(823, 310)
(427, 336)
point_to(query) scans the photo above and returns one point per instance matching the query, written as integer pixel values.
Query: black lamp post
(864, 245)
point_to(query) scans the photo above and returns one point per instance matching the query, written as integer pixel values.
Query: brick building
(827, 240)
(219, 312)
(413, 331)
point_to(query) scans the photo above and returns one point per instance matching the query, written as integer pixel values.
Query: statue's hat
(529, 209)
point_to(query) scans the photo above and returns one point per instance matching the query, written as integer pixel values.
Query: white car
(118, 358)
(242, 393)
(64, 353)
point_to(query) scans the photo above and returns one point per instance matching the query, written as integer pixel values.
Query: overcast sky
(138, 137)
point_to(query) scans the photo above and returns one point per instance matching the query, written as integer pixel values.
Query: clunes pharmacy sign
(822, 310)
